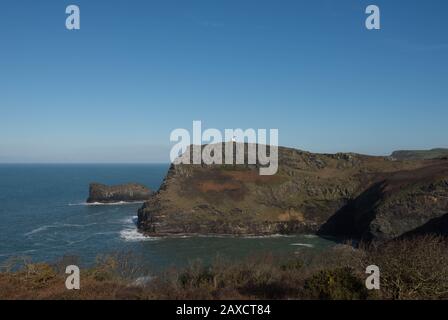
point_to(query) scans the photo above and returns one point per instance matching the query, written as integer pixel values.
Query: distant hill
(420, 154)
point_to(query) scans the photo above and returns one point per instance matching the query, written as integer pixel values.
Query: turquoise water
(43, 216)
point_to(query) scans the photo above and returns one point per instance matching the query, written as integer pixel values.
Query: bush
(414, 268)
(292, 265)
(337, 284)
(197, 276)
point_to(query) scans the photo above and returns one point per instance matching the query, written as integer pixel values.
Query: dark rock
(131, 192)
(420, 154)
(437, 226)
(404, 203)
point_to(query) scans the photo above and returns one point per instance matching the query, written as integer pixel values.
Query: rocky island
(131, 192)
(344, 194)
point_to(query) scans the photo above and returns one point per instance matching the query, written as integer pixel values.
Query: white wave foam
(269, 236)
(133, 235)
(119, 203)
(130, 220)
(58, 225)
(40, 229)
(310, 236)
(307, 245)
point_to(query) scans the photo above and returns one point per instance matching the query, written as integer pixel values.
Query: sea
(44, 217)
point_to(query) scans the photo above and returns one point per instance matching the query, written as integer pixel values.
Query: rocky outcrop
(439, 153)
(132, 192)
(404, 203)
(309, 193)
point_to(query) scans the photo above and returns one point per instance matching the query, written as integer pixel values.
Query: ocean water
(43, 216)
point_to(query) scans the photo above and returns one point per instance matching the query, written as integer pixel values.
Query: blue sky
(114, 90)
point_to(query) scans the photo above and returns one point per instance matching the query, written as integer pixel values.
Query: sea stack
(130, 192)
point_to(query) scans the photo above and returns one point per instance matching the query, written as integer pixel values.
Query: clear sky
(114, 90)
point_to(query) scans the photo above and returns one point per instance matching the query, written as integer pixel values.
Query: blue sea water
(43, 216)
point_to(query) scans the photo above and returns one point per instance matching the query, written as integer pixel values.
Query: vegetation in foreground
(410, 269)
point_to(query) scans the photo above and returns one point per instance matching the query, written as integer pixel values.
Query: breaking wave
(58, 225)
(119, 203)
(307, 245)
(132, 235)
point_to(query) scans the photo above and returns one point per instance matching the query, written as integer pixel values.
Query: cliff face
(404, 203)
(302, 197)
(109, 194)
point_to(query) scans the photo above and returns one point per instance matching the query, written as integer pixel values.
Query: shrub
(336, 284)
(413, 268)
(292, 265)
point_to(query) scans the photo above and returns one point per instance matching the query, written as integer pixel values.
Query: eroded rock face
(132, 192)
(403, 203)
(305, 194)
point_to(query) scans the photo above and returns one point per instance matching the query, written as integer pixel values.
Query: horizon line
(85, 163)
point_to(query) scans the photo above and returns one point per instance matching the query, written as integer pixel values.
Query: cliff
(403, 203)
(307, 193)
